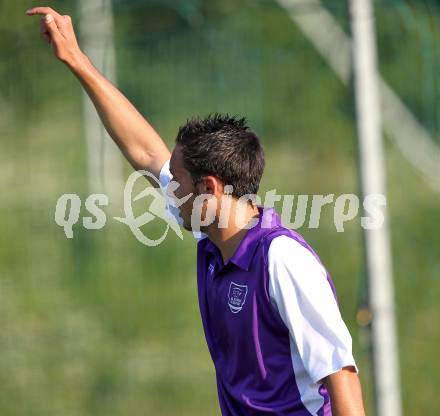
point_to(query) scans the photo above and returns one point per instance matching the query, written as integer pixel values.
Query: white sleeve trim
(165, 178)
(165, 175)
(300, 292)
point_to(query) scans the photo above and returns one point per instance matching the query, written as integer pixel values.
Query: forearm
(138, 141)
(345, 393)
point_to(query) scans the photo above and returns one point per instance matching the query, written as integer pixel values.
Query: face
(186, 187)
(209, 185)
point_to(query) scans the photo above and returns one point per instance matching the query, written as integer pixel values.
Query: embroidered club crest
(236, 297)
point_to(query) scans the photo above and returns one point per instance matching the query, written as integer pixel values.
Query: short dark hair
(223, 146)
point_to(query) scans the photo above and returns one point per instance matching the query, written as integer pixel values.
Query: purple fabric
(257, 338)
(326, 409)
(246, 337)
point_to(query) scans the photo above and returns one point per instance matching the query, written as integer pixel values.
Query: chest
(232, 296)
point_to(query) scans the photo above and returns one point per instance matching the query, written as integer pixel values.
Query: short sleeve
(165, 177)
(301, 293)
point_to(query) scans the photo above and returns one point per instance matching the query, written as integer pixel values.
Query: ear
(209, 185)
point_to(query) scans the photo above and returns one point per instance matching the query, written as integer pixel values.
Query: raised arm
(138, 141)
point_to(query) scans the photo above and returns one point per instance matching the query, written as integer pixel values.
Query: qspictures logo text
(297, 211)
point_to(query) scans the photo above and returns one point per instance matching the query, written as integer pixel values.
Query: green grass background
(102, 325)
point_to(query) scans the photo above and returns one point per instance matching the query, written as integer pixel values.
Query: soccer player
(268, 306)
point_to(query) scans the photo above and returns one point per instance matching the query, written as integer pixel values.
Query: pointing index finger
(43, 11)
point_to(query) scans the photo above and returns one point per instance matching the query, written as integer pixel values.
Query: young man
(269, 311)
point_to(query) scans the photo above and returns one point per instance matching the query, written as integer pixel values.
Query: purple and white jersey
(271, 322)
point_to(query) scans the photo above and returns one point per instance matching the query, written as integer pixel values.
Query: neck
(228, 238)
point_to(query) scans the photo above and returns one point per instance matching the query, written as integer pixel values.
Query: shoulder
(287, 251)
(294, 268)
